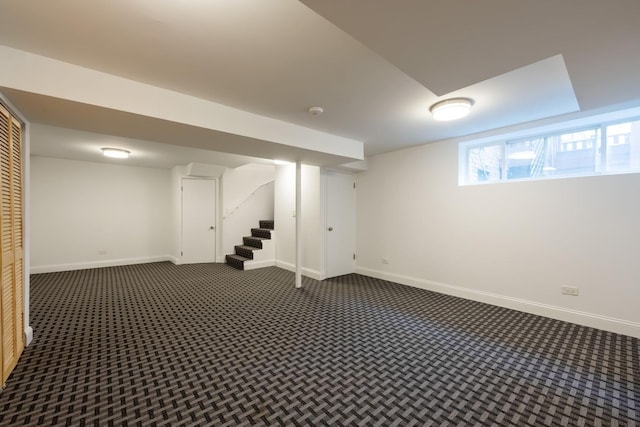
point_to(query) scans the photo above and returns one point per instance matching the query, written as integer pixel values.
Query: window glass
(574, 153)
(484, 163)
(525, 158)
(570, 153)
(623, 146)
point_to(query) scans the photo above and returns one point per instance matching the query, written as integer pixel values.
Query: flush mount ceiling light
(315, 111)
(116, 153)
(451, 109)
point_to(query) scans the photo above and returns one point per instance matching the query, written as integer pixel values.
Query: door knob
(330, 228)
(212, 228)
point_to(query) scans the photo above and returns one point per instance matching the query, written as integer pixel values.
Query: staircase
(256, 250)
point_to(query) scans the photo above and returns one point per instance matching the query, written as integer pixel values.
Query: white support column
(298, 224)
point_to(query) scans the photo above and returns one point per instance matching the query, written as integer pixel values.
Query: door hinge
(354, 256)
(181, 253)
(354, 185)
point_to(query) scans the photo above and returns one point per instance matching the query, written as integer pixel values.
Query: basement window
(600, 145)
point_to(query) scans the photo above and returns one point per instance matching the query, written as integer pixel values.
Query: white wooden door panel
(198, 221)
(341, 224)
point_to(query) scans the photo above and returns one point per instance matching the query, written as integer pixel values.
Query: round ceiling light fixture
(315, 111)
(451, 109)
(116, 153)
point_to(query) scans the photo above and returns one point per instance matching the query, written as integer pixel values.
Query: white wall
(175, 239)
(284, 206)
(285, 223)
(248, 193)
(241, 182)
(87, 215)
(313, 239)
(512, 244)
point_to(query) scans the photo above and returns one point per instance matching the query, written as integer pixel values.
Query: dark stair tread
(245, 250)
(266, 223)
(261, 232)
(251, 248)
(236, 261)
(253, 241)
(238, 257)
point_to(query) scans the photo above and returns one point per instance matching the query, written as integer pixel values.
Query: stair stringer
(265, 257)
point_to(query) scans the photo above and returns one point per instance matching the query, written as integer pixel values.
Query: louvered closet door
(11, 242)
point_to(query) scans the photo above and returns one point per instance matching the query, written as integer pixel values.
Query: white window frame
(598, 122)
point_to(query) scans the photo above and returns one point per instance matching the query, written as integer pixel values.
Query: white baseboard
(98, 264)
(28, 335)
(253, 264)
(314, 274)
(592, 320)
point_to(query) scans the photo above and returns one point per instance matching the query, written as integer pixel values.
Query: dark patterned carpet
(159, 344)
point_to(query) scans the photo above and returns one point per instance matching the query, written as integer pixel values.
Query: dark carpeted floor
(160, 344)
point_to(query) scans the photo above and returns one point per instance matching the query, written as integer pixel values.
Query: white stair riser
(267, 252)
(253, 264)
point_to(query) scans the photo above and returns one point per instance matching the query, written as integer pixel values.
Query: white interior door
(341, 224)
(198, 220)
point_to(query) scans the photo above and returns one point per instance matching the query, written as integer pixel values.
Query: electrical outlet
(385, 260)
(570, 290)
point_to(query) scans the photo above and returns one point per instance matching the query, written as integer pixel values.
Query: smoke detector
(315, 111)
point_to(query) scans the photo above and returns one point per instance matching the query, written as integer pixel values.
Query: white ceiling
(375, 66)
(52, 141)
